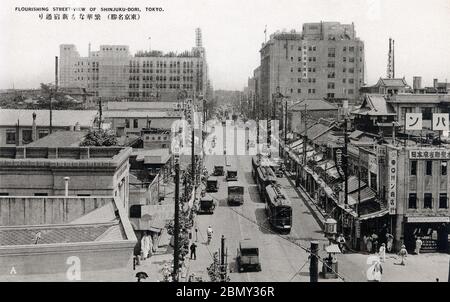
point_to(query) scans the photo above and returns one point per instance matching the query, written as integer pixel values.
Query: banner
(339, 159)
(392, 198)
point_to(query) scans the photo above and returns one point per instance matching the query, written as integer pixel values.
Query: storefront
(432, 230)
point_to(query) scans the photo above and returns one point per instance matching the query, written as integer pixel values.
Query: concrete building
(23, 126)
(64, 238)
(41, 171)
(325, 60)
(113, 73)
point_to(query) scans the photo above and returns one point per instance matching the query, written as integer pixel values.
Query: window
(10, 136)
(443, 167)
(427, 113)
(427, 201)
(330, 85)
(299, 90)
(351, 81)
(350, 91)
(4, 194)
(27, 136)
(413, 167)
(40, 194)
(412, 201)
(42, 133)
(127, 123)
(443, 200)
(135, 123)
(351, 48)
(373, 181)
(429, 167)
(351, 59)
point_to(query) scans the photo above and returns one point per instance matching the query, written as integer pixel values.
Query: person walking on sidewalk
(193, 250)
(418, 245)
(209, 233)
(382, 252)
(403, 254)
(390, 241)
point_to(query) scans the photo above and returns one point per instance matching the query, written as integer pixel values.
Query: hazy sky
(233, 31)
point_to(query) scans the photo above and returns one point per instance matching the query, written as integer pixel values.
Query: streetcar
(265, 177)
(278, 208)
(235, 193)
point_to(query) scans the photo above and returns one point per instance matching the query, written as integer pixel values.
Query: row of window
(164, 64)
(314, 48)
(413, 201)
(313, 69)
(428, 167)
(178, 71)
(160, 78)
(43, 194)
(27, 135)
(170, 86)
(329, 95)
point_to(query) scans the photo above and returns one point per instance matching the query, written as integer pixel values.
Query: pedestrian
(390, 241)
(418, 246)
(403, 254)
(209, 233)
(382, 252)
(369, 244)
(193, 250)
(375, 243)
(364, 245)
(341, 242)
(145, 246)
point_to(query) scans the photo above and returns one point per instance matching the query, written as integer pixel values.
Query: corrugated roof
(140, 114)
(60, 118)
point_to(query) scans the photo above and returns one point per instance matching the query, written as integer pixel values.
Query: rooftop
(60, 139)
(375, 104)
(60, 118)
(312, 104)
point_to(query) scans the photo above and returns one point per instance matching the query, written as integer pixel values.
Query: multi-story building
(113, 73)
(325, 60)
(23, 126)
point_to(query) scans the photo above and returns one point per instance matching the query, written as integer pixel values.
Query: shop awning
(327, 164)
(333, 173)
(366, 194)
(374, 214)
(353, 184)
(430, 219)
(333, 248)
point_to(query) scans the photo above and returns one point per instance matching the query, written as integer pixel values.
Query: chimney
(417, 83)
(33, 127)
(435, 83)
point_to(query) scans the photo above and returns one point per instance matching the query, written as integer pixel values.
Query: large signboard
(392, 197)
(429, 153)
(373, 164)
(339, 159)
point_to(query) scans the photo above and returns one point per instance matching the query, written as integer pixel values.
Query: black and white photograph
(176, 141)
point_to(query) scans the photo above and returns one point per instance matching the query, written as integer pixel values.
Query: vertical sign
(338, 158)
(392, 198)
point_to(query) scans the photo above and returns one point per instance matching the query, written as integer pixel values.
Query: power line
(287, 239)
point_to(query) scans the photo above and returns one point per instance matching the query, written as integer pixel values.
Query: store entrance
(434, 236)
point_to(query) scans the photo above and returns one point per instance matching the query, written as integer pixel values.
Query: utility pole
(100, 113)
(314, 262)
(345, 162)
(305, 140)
(222, 260)
(51, 96)
(176, 232)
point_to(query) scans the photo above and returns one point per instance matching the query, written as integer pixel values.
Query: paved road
(280, 258)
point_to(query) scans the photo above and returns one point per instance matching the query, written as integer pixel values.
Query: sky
(233, 31)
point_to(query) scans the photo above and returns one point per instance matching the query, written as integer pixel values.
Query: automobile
(235, 193)
(248, 256)
(232, 175)
(206, 206)
(218, 171)
(212, 185)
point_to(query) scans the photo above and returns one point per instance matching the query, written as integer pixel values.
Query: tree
(99, 137)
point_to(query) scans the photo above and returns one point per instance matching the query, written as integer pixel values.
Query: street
(280, 259)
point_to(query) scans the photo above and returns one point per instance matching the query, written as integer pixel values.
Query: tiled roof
(375, 105)
(53, 233)
(60, 118)
(394, 82)
(318, 104)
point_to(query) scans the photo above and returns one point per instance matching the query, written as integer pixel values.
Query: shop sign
(357, 229)
(392, 197)
(339, 159)
(430, 153)
(373, 164)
